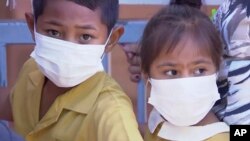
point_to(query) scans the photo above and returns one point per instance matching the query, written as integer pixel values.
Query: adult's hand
(132, 53)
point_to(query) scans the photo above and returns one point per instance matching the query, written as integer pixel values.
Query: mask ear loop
(106, 43)
(102, 57)
(148, 82)
(146, 85)
(106, 61)
(32, 8)
(11, 4)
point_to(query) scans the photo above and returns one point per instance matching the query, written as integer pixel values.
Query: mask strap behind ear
(106, 43)
(32, 8)
(11, 4)
(146, 87)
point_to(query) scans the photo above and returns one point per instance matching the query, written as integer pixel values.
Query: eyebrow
(171, 64)
(87, 26)
(167, 64)
(202, 61)
(53, 23)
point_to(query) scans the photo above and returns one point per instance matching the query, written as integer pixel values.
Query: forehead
(187, 49)
(70, 12)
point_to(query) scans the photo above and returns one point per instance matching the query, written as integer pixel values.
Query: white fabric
(190, 133)
(65, 63)
(154, 120)
(174, 98)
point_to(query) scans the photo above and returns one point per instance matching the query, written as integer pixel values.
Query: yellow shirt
(95, 110)
(153, 137)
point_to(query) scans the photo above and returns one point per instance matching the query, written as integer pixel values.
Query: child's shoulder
(112, 89)
(30, 65)
(111, 93)
(111, 83)
(104, 87)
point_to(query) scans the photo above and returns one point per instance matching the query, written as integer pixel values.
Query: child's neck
(208, 119)
(49, 94)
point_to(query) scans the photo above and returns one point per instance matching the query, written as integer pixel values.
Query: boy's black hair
(191, 3)
(109, 9)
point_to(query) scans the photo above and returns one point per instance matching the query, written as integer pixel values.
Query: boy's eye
(85, 37)
(171, 73)
(54, 33)
(200, 71)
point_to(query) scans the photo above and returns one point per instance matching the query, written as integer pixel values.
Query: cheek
(152, 71)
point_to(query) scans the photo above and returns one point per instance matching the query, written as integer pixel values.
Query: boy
(62, 92)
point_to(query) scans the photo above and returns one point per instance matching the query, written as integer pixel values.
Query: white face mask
(184, 101)
(65, 63)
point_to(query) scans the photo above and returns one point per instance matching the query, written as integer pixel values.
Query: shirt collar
(36, 77)
(171, 132)
(154, 120)
(81, 97)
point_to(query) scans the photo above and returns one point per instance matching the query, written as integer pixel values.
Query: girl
(131, 50)
(181, 53)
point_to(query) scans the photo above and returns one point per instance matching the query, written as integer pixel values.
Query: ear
(114, 38)
(147, 83)
(145, 76)
(31, 24)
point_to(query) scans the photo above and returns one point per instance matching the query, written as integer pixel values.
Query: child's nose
(70, 38)
(186, 73)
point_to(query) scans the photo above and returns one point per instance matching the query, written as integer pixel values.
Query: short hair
(191, 3)
(109, 9)
(167, 28)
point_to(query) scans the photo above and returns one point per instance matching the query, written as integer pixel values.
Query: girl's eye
(85, 37)
(54, 33)
(199, 72)
(171, 73)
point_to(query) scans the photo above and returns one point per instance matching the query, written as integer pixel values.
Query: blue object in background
(3, 73)
(133, 31)
(11, 32)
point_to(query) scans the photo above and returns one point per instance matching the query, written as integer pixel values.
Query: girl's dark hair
(191, 3)
(166, 29)
(109, 9)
